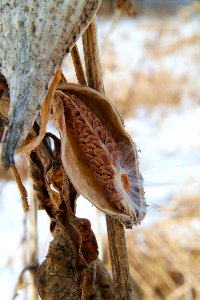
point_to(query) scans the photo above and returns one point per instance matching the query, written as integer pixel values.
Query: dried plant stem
(33, 249)
(78, 66)
(116, 233)
(62, 79)
(118, 254)
(21, 188)
(24, 247)
(92, 58)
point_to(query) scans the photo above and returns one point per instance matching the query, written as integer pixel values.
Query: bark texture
(35, 36)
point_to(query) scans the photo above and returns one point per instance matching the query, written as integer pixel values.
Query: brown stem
(78, 65)
(63, 79)
(33, 249)
(21, 188)
(116, 233)
(92, 58)
(119, 261)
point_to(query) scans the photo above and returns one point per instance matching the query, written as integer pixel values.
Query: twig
(78, 66)
(24, 243)
(33, 249)
(92, 59)
(21, 188)
(118, 254)
(116, 233)
(63, 79)
(21, 281)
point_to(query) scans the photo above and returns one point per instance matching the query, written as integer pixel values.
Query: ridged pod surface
(35, 36)
(98, 154)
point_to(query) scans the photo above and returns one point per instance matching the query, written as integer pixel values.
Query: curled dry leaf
(86, 282)
(97, 153)
(58, 273)
(35, 36)
(38, 180)
(62, 275)
(89, 247)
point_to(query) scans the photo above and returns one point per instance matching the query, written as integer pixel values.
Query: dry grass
(193, 41)
(164, 257)
(147, 90)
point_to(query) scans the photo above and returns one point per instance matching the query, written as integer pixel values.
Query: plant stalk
(78, 66)
(116, 232)
(33, 249)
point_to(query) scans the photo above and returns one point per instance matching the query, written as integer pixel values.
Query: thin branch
(33, 249)
(78, 65)
(21, 188)
(21, 281)
(63, 79)
(116, 233)
(92, 59)
(118, 254)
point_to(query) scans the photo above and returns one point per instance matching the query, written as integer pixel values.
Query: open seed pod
(97, 153)
(35, 36)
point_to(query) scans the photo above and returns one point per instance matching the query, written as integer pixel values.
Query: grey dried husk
(129, 207)
(35, 35)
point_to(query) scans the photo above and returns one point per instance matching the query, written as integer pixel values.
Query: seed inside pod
(125, 181)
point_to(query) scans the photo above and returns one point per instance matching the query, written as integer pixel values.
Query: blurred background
(150, 54)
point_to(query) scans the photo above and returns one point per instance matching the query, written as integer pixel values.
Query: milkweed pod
(98, 155)
(35, 36)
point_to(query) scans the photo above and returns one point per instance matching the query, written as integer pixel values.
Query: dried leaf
(89, 247)
(58, 274)
(97, 153)
(44, 112)
(86, 282)
(38, 181)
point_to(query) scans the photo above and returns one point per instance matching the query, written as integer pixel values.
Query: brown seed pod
(98, 154)
(35, 36)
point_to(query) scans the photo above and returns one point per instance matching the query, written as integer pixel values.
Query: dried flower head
(98, 154)
(35, 36)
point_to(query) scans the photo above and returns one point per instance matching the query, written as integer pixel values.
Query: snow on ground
(169, 145)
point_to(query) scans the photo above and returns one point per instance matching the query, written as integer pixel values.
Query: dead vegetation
(164, 257)
(148, 91)
(73, 253)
